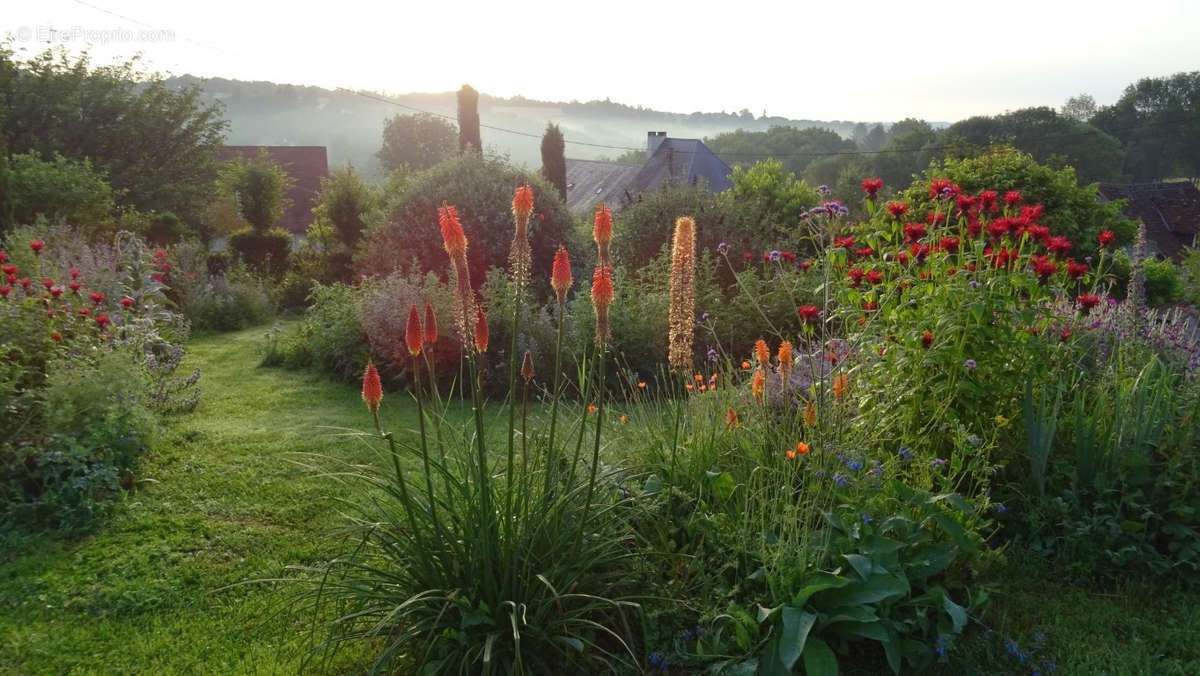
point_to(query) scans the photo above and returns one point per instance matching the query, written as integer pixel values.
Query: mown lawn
(226, 498)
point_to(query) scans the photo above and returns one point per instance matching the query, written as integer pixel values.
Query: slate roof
(684, 159)
(1171, 212)
(590, 182)
(307, 165)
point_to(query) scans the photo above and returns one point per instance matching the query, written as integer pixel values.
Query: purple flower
(866, 518)
(970, 364)
(938, 462)
(974, 284)
(905, 453)
(723, 248)
(775, 256)
(823, 189)
(712, 354)
(704, 317)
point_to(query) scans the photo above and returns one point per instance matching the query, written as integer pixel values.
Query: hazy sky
(862, 60)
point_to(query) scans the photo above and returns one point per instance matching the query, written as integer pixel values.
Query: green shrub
(266, 252)
(218, 301)
(331, 338)
(482, 190)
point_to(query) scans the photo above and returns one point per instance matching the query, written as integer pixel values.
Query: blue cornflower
(687, 634)
(974, 284)
(1000, 508)
(878, 469)
(655, 659)
(866, 518)
(839, 480)
(1011, 647)
(855, 465)
(941, 647)
(938, 462)
(905, 452)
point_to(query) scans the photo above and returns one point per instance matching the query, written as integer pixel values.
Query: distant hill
(350, 125)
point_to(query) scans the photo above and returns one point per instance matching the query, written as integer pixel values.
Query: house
(591, 182)
(307, 165)
(1170, 211)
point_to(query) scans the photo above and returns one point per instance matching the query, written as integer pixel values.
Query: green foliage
(260, 186)
(767, 203)
(554, 159)
(59, 190)
(158, 146)
(795, 148)
(1163, 284)
(331, 338)
(226, 298)
(1049, 138)
(1158, 120)
(344, 203)
(1070, 209)
(642, 230)
(84, 373)
(265, 251)
(416, 142)
(482, 190)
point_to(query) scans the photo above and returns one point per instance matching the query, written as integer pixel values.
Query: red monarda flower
(987, 201)
(412, 332)
(1012, 197)
(25, 282)
(127, 302)
(804, 265)
(809, 313)
(97, 298)
(56, 337)
(165, 267)
(875, 276)
(4, 291)
(870, 305)
(102, 320)
(84, 311)
(56, 291)
(157, 277)
(943, 187)
(747, 256)
(1106, 237)
(949, 244)
(914, 231)
(431, 331)
(9, 269)
(1038, 233)
(872, 186)
(453, 237)
(522, 204)
(926, 339)
(897, 209)
(74, 286)
(844, 242)
(1058, 245)
(74, 273)
(372, 391)
(855, 275)
(481, 331)
(37, 245)
(965, 202)
(1043, 267)
(160, 253)
(560, 275)
(1032, 213)
(865, 252)
(1087, 301)
(3, 256)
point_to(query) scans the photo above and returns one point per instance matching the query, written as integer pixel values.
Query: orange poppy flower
(688, 387)
(745, 366)
(641, 385)
(801, 447)
(624, 419)
(591, 408)
(698, 377)
(791, 455)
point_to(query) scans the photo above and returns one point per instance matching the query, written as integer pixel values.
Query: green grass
(225, 498)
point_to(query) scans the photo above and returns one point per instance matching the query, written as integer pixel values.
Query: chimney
(654, 139)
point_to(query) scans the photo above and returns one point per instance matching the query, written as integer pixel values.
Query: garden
(947, 426)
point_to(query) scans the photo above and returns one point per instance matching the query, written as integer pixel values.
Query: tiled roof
(591, 182)
(307, 165)
(1171, 212)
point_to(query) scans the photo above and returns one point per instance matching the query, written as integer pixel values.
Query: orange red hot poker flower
(602, 297)
(412, 332)
(560, 275)
(522, 204)
(481, 331)
(602, 233)
(372, 391)
(431, 331)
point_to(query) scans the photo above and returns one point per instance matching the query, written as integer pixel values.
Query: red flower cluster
(872, 186)
(844, 242)
(1012, 197)
(943, 188)
(1087, 301)
(809, 313)
(914, 231)
(1106, 238)
(897, 209)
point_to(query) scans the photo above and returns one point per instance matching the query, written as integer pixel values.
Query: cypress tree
(554, 159)
(468, 119)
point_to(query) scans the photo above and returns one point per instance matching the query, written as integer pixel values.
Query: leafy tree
(1049, 137)
(554, 159)
(637, 157)
(1080, 108)
(911, 145)
(156, 146)
(58, 190)
(1158, 120)
(795, 148)
(345, 202)
(416, 141)
(260, 186)
(468, 120)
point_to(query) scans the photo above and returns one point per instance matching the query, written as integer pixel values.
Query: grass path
(222, 500)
